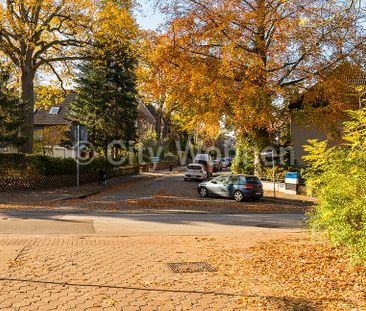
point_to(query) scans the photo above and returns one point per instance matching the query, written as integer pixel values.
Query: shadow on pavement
(269, 221)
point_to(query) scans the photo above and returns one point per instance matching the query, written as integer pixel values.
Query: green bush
(243, 162)
(20, 165)
(337, 177)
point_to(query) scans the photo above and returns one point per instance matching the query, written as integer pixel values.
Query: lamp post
(78, 158)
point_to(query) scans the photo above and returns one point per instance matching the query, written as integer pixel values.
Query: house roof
(152, 110)
(146, 114)
(44, 117)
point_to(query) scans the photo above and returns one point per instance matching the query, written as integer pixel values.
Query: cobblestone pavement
(115, 273)
(118, 272)
(110, 274)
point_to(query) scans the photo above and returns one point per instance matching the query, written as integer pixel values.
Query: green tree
(244, 159)
(337, 177)
(107, 100)
(11, 114)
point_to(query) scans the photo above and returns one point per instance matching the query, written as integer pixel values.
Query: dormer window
(54, 110)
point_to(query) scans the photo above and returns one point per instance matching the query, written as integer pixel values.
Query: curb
(80, 196)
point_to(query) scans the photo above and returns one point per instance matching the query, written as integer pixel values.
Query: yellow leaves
(303, 21)
(115, 22)
(48, 96)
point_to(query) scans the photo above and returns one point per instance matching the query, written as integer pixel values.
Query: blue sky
(147, 16)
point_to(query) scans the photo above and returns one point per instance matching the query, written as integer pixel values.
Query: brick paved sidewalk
(117, 273)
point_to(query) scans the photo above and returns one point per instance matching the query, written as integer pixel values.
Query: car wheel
(185, 179)
(238, 196)
(203, 192)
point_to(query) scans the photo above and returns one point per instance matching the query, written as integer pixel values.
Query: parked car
(206, 160)
(217, 166)
(224, 163)
(238, 187)
(195, 171)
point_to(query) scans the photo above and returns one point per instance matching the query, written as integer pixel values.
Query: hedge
(20, 165)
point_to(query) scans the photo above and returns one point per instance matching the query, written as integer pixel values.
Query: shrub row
(13, 165)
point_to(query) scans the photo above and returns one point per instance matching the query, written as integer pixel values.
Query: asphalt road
(156, 205)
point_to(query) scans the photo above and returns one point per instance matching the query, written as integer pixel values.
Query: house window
(54, 110)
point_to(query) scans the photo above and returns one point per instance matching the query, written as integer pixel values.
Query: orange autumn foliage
(232, 61)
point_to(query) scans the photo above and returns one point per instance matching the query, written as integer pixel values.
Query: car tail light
(248, 186)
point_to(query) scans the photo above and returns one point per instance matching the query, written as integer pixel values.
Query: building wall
(300, 134)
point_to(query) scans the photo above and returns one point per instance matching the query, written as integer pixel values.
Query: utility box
(292, 180)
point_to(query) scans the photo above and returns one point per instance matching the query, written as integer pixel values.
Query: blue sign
(292, 175)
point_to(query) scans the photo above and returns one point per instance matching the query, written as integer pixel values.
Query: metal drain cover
(191, 267)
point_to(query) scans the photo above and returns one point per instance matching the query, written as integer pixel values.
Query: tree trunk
(166, 127)
(258, 169)
(27, 95)
(158, 129)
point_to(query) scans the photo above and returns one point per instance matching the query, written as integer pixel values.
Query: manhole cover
(191, 267)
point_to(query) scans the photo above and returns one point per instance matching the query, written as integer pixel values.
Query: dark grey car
(238, 187)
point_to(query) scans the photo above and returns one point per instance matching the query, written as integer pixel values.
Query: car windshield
(252, 180)
(194, 167)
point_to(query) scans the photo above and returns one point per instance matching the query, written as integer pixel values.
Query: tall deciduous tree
(36, 33)
(155, 82)
(234, 59)
(41, 34)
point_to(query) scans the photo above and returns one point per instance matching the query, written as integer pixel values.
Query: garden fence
(8, 183)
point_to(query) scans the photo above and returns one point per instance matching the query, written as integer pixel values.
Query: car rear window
(234, 180)
(194, 167)
(252, 180)
(221, 179)
(203, 162)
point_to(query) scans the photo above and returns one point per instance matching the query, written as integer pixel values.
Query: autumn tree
(235, 59)
(154, 81)
(157, 79)
(36, 33)
(325, 105)
(42, 34)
